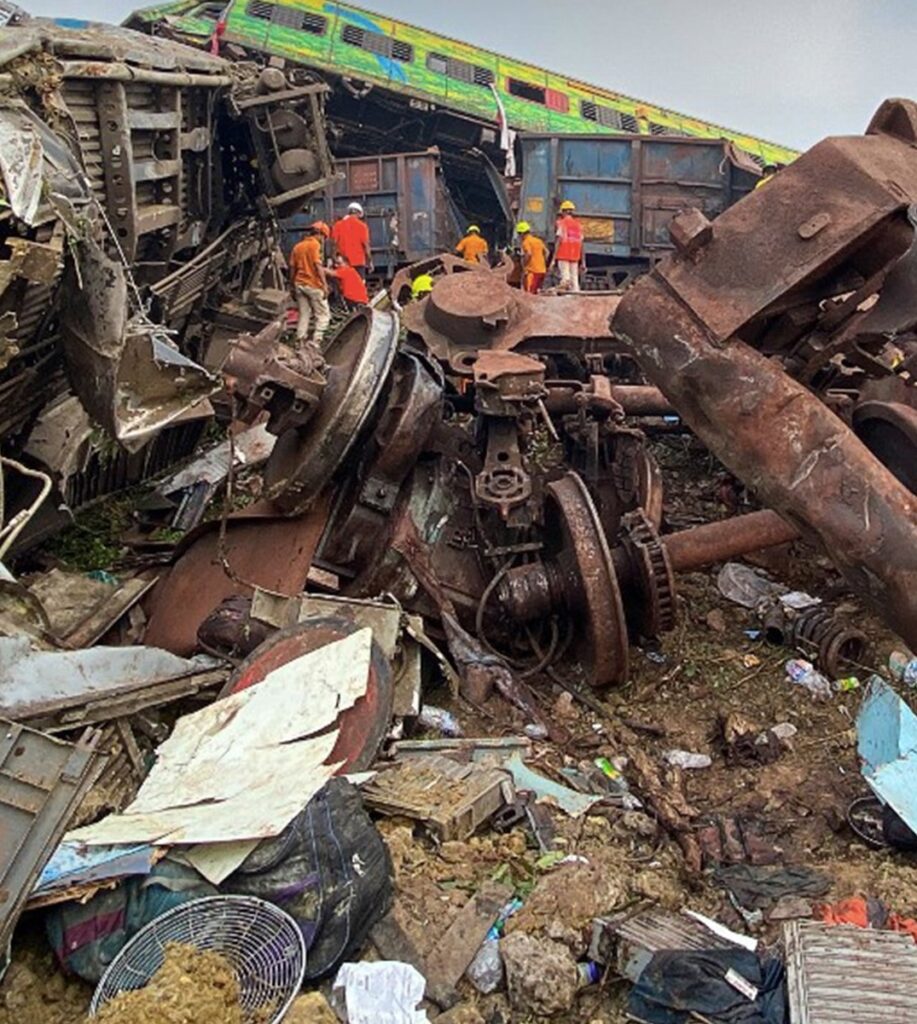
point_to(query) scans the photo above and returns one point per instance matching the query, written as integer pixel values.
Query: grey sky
(788, 70)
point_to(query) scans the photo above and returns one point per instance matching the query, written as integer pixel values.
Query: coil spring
(833, 641)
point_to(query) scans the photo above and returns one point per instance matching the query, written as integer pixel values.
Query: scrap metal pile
(140, 184)
(466, 481)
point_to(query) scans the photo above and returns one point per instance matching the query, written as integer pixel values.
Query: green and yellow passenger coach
(428, 68)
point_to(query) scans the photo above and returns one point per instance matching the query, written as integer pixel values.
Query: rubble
(440, 645)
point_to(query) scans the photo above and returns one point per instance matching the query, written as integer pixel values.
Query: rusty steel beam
(785, 444)
(728, 538)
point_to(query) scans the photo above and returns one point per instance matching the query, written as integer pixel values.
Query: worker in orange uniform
(350, 236)
(568, 250)
(472, 247)
(534, 258)
(351, 286)
(308, 283)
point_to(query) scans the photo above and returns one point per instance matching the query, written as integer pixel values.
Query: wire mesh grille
(262, 944)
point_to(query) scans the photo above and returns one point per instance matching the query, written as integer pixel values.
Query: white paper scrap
(383, 992)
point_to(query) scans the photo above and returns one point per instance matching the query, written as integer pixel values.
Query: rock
(716, 621)
(541, 975)
(464, 1013)
(312, 1008)
(564, 709)
(789, 907)
(640, 823)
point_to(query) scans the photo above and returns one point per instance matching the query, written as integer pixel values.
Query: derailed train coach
(140, 185)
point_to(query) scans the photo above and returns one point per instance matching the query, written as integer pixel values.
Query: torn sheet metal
(568, 800)
(74, 865)
(840, 974)
(129, 376)
(81, 609)
(42, 782)
(193, 486)
(887, 747)
(69, 688)
(245, 766)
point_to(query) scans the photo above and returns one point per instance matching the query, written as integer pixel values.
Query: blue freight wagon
(407, 205)
(626, 189)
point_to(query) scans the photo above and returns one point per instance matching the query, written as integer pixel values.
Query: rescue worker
(568, 250)
(308, 283)
(350, 236)
(472, 247)
(351, 286)
(534, 258)
(767, 172)
(421, 286)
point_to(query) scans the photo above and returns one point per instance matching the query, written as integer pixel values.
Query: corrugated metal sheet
(846, 975)
(635, 938)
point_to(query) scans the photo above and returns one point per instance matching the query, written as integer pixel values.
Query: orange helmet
(321, 227)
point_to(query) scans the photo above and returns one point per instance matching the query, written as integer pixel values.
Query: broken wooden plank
(457, 947)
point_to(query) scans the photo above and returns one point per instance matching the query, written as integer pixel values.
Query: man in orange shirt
(472, 247)
(568, 251)
(350, 236)
(308, 283)
(350, 284)
(534, 258)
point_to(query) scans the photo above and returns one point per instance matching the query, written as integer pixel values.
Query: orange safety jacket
(569, 240)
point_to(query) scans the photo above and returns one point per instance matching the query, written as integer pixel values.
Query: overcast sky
(790, 71)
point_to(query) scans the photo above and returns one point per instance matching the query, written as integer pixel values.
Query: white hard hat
(355, 208)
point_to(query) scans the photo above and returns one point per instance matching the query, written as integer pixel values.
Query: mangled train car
(141, 180)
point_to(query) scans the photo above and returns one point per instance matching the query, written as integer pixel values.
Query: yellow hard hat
(522, 227)
(421, 285)
(567, 205)
(474, 228)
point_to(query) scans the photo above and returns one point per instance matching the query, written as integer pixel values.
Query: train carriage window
(460, 70)
(608, 117)
(287, 17)
(525, 91)
(259, 9)
(376, 42)
(629, 123)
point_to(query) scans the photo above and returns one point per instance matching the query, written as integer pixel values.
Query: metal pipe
(728, 538)
(124, 73)
(635, 399)
(785, 444)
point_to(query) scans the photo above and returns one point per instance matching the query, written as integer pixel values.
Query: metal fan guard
(261, 942)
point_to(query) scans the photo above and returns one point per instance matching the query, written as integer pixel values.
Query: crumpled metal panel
(840, 974)
(128, 376)
(42, 781)
(887, 748)
(799, 226)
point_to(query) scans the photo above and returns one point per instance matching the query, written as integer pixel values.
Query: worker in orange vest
(351, 286)
(568, 250)
(308, 283)
(472, 247)
(350, 236)
(534, 258)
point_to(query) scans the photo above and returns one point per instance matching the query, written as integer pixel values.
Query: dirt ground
(611, 859)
